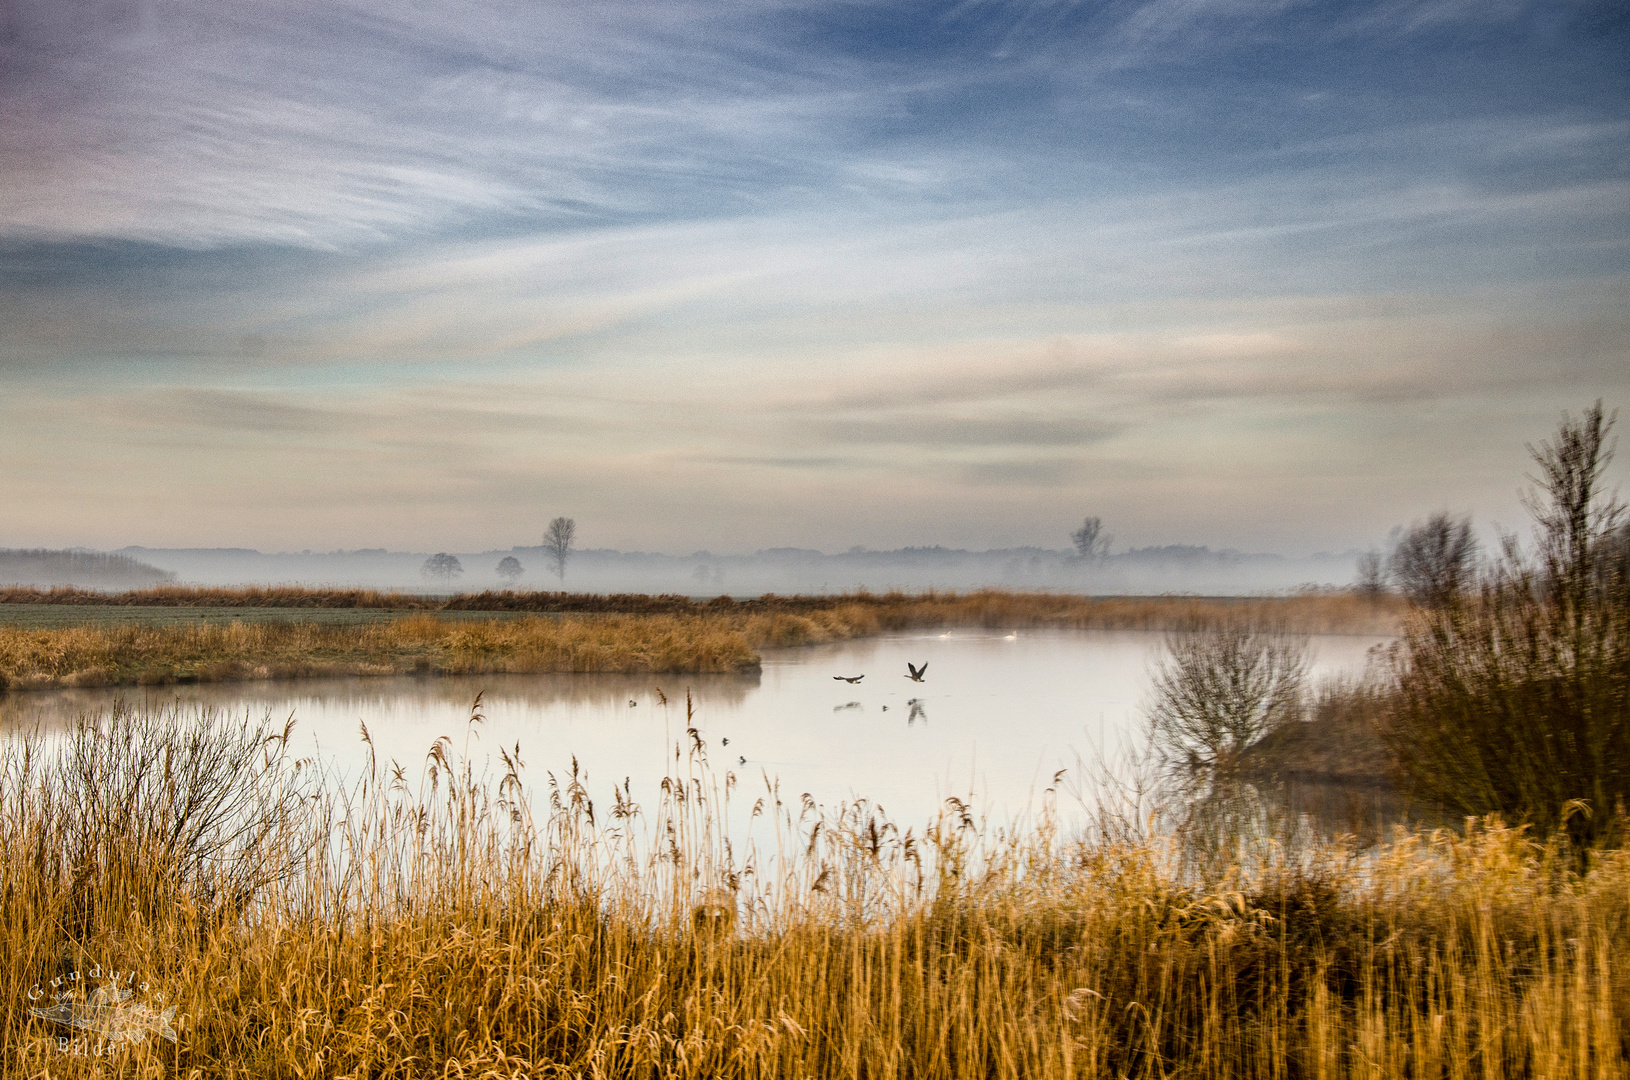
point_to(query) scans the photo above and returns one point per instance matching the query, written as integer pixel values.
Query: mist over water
(1155, 570)
(996, 717)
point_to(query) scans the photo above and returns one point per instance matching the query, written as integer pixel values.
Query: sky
(1273, 276)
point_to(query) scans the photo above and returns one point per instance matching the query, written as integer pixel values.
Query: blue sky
(1273, 276)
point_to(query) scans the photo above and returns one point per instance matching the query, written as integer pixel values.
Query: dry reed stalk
(466, 930)
(129, 655)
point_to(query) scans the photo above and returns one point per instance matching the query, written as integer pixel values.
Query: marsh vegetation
(582, 633)
(443, 923)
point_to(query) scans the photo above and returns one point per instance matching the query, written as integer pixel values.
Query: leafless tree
(557, 544)
(1579, 530)
(1090, 540)
(510, 569)
(1372, 574)
(441, 566)
(1435, 560)
(1221, 686)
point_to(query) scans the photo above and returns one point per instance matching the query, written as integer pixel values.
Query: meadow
(446, 924)
(290, 633)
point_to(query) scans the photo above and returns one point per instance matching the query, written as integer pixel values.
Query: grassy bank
(156, 655)
(453, 934)
(627, 634)
(1314, 613)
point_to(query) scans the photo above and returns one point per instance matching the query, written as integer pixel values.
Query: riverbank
(172, 634)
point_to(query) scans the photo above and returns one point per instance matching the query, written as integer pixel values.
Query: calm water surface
(995, 718)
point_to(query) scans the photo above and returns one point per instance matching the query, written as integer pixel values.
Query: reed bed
(1315, 612)
(461, 927)
(153, 655)
(717, 636)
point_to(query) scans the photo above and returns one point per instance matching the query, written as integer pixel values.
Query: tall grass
(459, 927)
(126, 655)
(1312, 613)
(711, 637)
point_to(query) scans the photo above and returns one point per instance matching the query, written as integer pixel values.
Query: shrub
(1516, 700)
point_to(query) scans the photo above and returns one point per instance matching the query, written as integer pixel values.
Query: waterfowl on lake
(917, 673)
(850, 679)
(632, 703)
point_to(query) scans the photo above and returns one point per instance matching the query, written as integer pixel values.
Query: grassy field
(159, 654)
(446, 931)
(144, 639)
(54, 616)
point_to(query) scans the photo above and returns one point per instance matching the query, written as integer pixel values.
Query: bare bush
(1436, 560)
(1517, 701)
(1221, 686)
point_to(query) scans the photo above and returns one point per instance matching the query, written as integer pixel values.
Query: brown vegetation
(658, 634)
(1336, 613)
(451, 933)
(126, 655)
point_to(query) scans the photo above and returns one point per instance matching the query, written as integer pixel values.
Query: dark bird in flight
(741, 760)
(917, 673)
(724, 742)
(850, 679)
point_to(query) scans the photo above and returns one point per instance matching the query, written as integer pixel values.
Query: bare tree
(557, 544)
(1090, 540)
(1515, 703)
(441, 565)
(510, 569)
(1372, 574)
(1220, 687)
(1579, 531)
(1435, 560)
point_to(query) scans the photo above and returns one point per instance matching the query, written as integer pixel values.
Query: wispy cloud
(946, 269)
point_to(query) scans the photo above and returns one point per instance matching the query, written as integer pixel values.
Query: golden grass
(452, 934)
(127, 655)
(1334, 612)
(692, 637)
(862, 615)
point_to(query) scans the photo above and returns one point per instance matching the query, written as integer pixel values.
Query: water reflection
(1008, 712)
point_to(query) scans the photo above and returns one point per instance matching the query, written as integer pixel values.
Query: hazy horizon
(1258, 276)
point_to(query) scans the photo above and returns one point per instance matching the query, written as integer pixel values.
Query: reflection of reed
(58, 708)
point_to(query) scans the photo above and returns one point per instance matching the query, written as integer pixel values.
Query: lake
(997, 715)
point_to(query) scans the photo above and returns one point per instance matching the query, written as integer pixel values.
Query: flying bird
(850, 679)
(917, 673)
(741, 760)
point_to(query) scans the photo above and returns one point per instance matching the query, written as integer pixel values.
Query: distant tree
(441, 566)
(1435, 560)
(557, 544)
(1090, 540)
(1372, 574)
(510, 569)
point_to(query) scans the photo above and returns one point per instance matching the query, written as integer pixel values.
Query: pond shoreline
(280, 635)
